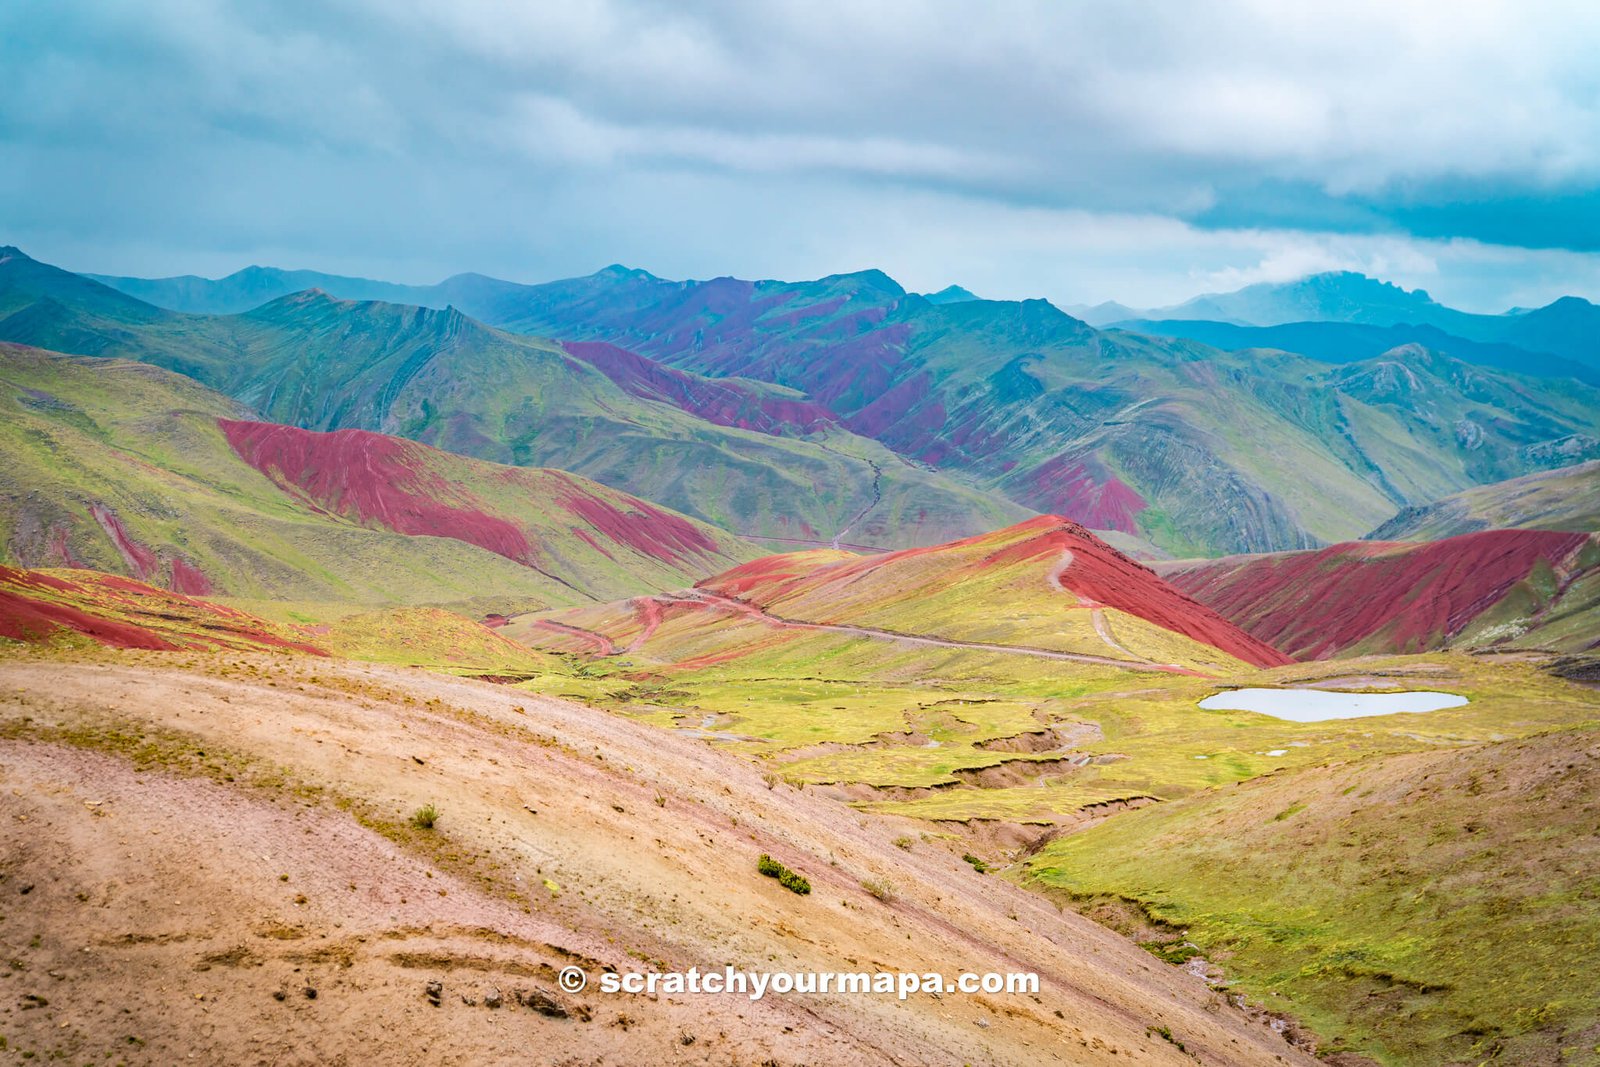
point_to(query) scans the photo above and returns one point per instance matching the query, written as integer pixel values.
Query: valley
(434, 656)
(790, 535)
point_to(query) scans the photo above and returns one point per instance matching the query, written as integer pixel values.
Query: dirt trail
(877, 498)
(1097, 615)
(649, 612)
(184, 854)
(755, 611)
(602, 644)
(877, 494)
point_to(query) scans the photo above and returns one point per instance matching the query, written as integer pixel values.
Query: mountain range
(425, 641)
(965, 415)
(1343, 316)
(436, 376)
(1567, 328)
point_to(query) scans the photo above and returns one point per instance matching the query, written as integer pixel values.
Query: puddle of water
(1318, 705)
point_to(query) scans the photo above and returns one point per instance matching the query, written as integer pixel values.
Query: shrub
(977, 864)
(794, 883)
(881, 888)
(1165, 1034)
(424, 817)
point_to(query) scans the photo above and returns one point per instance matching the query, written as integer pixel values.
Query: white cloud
(1021, 148)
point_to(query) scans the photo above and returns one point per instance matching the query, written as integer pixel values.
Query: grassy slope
(865, 713)
(447, 380)
(1428, 908)
(1045, 583)
(79, 609)
(564, 836)
(146, 445)
(1417, 919)
(1567, 498)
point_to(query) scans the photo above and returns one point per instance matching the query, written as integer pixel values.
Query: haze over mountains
(1568, 328)
(1020, 406)
(1344, 316)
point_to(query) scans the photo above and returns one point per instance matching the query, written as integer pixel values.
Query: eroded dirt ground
(210, 860)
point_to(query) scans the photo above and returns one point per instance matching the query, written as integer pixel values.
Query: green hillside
(1567, 498)
(126, 468)
(442, 378)
(1429, 908)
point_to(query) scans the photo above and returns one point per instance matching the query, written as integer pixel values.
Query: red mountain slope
(523, 514)
(1048, 559)
(1376, 596)
(37, 606)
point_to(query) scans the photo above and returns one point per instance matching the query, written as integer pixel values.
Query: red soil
(1409, 597)
(650, 616)
(189, 579)
(904, 408)
(644, 527)
(1098, 572)
(386, 481)
(141, 560)
(1067, 487)
(23, 618)
(768, 570)
(59, 549)
(35, 606)
(374, 479)
(723, 402)
(1106, 576)
(598, 643)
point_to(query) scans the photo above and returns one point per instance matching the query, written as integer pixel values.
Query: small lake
(1317, 705)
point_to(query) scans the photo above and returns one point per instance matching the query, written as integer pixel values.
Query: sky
(1137, 151)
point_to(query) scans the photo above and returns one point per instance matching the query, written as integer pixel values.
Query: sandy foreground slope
(189, 845)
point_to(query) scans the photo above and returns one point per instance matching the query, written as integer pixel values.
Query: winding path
(744, 607)
(1097, 615)
(604, 646)
(649, 611)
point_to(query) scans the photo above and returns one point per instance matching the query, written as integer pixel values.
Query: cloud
(395, 136)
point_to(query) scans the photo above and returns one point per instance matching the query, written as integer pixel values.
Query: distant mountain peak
(1355, 281)
(871, 278)
(620, 272)
(951, 294)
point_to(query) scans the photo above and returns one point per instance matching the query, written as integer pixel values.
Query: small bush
(424, 817)
(903, 842)
(881, 888)
(794, 883)
(977, 864)
(1178, 952)
(1165, 1034)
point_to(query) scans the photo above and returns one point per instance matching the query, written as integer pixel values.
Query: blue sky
(1137, 151)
